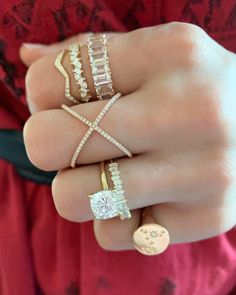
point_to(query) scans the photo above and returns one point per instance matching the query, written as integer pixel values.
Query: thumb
(30, 52)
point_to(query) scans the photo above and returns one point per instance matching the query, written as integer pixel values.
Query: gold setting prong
(109, 203)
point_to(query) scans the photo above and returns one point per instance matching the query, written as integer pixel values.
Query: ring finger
(147, 180)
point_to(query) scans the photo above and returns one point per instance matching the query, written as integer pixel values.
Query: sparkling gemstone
(105, 89)
(97, 45)
(98, 56)
(104, 204)
(102, 79)
(100, 69)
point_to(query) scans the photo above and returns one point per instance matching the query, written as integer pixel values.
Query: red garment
(41, 253)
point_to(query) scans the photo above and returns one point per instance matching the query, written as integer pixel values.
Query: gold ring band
(103, 176)
(109, 203)
(61, 69)
(93, 126)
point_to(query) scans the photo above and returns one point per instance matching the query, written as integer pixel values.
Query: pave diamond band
(75, 59)
(99, 62)
(122, 207)
(109, 203)
(93, 126)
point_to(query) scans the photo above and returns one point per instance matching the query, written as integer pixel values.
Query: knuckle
(58, 193)
(187, 42)
(30, 129)
(34, 91)
(185, 29)
(31, 81)
(66, 200)
(178, 41)
(104, 238)
(209, 122)
(33, 138)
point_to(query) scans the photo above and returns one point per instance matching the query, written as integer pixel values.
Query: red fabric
(41, 253)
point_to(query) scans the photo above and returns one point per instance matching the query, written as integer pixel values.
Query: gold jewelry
(75, 58)
(59, 66)
(94, 127)
(103, 176)
(108, 203)
(99, 62)
(123, 208)
(151, 239)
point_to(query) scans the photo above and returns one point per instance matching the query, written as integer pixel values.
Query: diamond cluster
(99, 61)
(104, 204)
(110, 203)
(123, 208)
(75, 59)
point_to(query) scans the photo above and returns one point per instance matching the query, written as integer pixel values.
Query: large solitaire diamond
(104, 204)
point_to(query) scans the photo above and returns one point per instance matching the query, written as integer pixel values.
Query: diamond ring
(99, 62)
(109, 203)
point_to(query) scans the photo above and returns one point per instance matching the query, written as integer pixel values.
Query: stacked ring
(149, 238)
(75, 58)
(99, 62)
(109, 203)
(61, 69)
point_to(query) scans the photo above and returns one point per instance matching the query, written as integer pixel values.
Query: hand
(177, 116)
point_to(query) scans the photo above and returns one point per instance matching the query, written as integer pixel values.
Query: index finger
(129, 56)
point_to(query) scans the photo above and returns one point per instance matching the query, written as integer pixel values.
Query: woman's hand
(177, 116)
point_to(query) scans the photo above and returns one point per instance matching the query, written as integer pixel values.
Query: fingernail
(33, 45)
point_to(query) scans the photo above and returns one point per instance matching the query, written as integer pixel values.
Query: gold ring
(99, 62)
(150, 238)
(61, 69)
(75, 59)
(93, 126)
(109, 203)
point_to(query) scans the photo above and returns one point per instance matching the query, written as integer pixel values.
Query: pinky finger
(184, 224)
(116, 234)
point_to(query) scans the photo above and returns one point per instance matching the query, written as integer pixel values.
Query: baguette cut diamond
(99, 62)
(104, 204)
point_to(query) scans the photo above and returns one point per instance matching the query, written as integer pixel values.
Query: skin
(176, 116)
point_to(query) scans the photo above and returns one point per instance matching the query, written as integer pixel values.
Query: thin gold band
(61, 69)
(93, 126)
(103, 176)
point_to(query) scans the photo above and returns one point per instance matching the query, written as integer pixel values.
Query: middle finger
(142, 122)
(52, 136)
